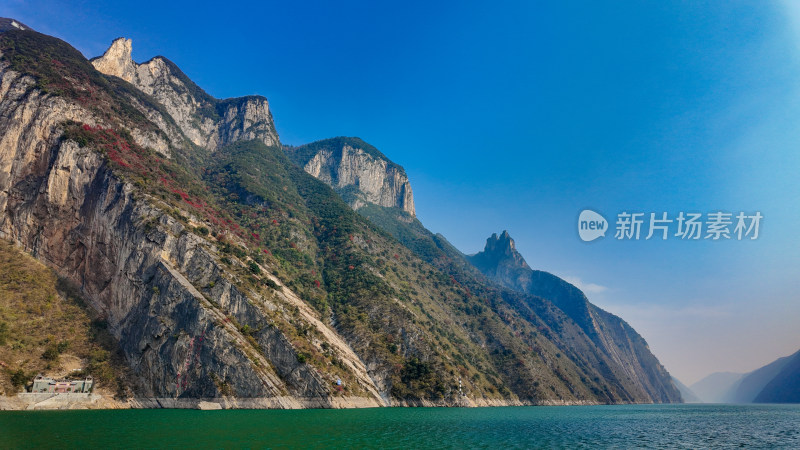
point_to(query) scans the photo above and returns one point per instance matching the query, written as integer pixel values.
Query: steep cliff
(199, 278)
(206, 121)
(46, 328)
(225, 270)
(621, 345)
(357, 171)
(530, 318)
(66, 201)
(784, 387)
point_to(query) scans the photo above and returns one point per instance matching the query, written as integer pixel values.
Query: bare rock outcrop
(206, 121)
(160, 287)
(358, 171)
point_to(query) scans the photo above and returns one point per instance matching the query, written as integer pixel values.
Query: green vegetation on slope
(534, 344)
(45, 327)
(59, 69)
(419, 315)
(250, 202)
(416, 323)
(355, 275)
(261, 210)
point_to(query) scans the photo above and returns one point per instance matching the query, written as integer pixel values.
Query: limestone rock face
(245, 119)
(144, 272)
(206, 121)
(357, 171)
(117, 60)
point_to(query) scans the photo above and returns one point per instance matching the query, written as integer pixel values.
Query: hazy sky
(518, 115)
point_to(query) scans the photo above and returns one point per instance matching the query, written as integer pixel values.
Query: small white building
(42, 384)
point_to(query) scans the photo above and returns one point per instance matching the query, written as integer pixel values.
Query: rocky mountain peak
(208, 122)
(117, 60)
(501, 249)
(614, 338)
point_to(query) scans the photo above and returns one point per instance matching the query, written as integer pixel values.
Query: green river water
(653, 426)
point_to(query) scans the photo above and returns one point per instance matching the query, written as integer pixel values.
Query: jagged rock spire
(117, 60)
(501, 248)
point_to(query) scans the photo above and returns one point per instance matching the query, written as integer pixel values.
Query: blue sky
(518, 115)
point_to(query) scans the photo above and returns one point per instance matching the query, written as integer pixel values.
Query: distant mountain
(776, 382)
(686, 393)
(785, 386)
(751, 384)
(620, 343)
(715, 388)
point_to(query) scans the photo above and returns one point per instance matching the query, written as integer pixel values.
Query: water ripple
(575, 427)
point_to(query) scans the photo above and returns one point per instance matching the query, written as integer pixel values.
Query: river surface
(653, 426)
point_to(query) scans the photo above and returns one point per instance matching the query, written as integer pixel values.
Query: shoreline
(71, 401)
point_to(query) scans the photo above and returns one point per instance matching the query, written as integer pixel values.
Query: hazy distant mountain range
(222, 264)
(687, 394)
(776, 382)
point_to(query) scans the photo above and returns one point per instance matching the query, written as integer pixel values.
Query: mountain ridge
(774, 382)
(208, 122)
(226, 271)
(501, 262)
(784, 387)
